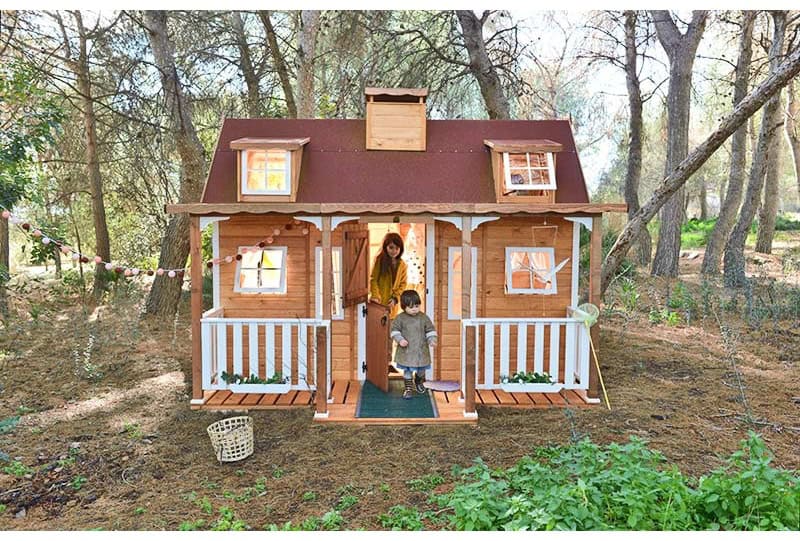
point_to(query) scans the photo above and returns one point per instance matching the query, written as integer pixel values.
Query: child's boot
(409, 389)
(420, 384)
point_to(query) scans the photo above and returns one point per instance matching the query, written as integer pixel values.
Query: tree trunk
(792, 130)
(5, 267)
(480, 65)
(246, 65)
(768, 212)
(102, 242)
(681, 51)
(165, 293)
(633, 173)
(733, 259)
(749, 105)
(306, 52)
(703, 199)
(279, 64)
(729, 207)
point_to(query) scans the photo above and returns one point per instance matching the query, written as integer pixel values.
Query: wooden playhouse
(490, 212)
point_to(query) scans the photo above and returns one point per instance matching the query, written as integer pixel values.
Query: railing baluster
(583, 356)
(569, 353)
(522, 346)
(302, 352)
(504, 366)
(269, 350)
(488, 353)
(207, 354)
(252, 335)
(222, 353)
(286, 353)
(538, 352)
(237, 349)
(555, 345)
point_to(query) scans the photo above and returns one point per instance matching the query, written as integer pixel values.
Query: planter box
(266, 388)
(531, 387)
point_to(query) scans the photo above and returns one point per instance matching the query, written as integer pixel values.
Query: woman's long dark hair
(383, 257)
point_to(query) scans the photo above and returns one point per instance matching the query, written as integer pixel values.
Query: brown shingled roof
(337, 168)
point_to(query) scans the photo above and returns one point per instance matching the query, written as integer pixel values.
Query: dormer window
(529, 171)
(268, 169)
(524, 170)
(266, 172)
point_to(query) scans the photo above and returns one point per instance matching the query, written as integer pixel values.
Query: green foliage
(309, 496)
(695, 232)
(140, 511)
(9, 424)
(682, 299)
(401, 518)
(3, 508)
(630, 296)
(346, 502)
(665, 315)
(77, 482)
(31, 120)
(786, 223)
(622, 487)
(426, 483)
(277, 377)
(133, 431)
(18, 469)
(527, 377)
(749, 494)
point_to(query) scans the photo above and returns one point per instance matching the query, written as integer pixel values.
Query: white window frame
(551, 170)
(473, 293)
(281, 289)
(287, 173)
(337, 281)
(552, 290)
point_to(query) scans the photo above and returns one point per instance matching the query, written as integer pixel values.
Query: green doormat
(374, 403)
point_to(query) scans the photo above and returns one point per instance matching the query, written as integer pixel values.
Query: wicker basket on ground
(232, 438)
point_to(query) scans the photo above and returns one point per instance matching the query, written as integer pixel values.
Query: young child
(414, 332)
(389, 273)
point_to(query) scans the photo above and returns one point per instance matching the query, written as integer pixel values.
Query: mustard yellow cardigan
(382, 289)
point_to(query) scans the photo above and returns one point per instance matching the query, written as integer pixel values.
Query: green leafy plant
(527, 377)
(309, 496)
(402, 518)
(77, 482)
(9, 424)
(426, 483)
(139, 511)
(3, 508)
(630, 296)
(133, 431)
(18, 469)
(237, 379)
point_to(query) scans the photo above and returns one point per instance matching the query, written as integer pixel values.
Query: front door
(379, 349)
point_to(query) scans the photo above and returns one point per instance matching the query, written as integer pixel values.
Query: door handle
(384, 320)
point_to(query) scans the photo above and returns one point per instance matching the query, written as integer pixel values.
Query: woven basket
(232, 438)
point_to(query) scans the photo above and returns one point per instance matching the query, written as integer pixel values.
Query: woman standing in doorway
(389, 274)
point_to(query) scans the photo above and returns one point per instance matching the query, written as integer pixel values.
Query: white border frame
(275, 291)
(287, 174)
(551, 170)
(552, 290)
(318, 284)
(473, 293)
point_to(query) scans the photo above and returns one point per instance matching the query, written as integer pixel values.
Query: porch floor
(345, 398)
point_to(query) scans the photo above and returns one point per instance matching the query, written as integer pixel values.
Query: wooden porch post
(196, 275)
(595, 260)
(466, 310)
(322, 336)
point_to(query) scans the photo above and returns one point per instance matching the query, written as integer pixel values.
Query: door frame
(430, 301)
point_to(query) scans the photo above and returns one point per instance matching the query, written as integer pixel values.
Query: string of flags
(128, 271)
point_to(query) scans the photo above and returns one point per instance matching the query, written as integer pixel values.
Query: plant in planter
(529, 382)
(276, 383)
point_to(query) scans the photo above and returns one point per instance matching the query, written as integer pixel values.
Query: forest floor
(106, 440)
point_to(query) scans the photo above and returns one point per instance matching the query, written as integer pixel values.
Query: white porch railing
(529, 345)
(287, 345)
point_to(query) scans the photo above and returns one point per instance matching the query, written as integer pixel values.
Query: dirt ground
(106, 430)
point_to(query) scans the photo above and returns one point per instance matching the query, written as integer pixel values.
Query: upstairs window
(266, 172)
(529, 171)
(261, 271)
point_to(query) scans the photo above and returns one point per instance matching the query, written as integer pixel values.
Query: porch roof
(399, 209)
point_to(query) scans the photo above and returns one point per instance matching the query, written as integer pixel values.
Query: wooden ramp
(345, 399)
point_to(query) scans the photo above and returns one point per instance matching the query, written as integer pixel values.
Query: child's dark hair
(383, 258)
(409, 297)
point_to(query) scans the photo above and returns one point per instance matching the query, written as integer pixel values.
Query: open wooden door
(379, 349)
(355, 254)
